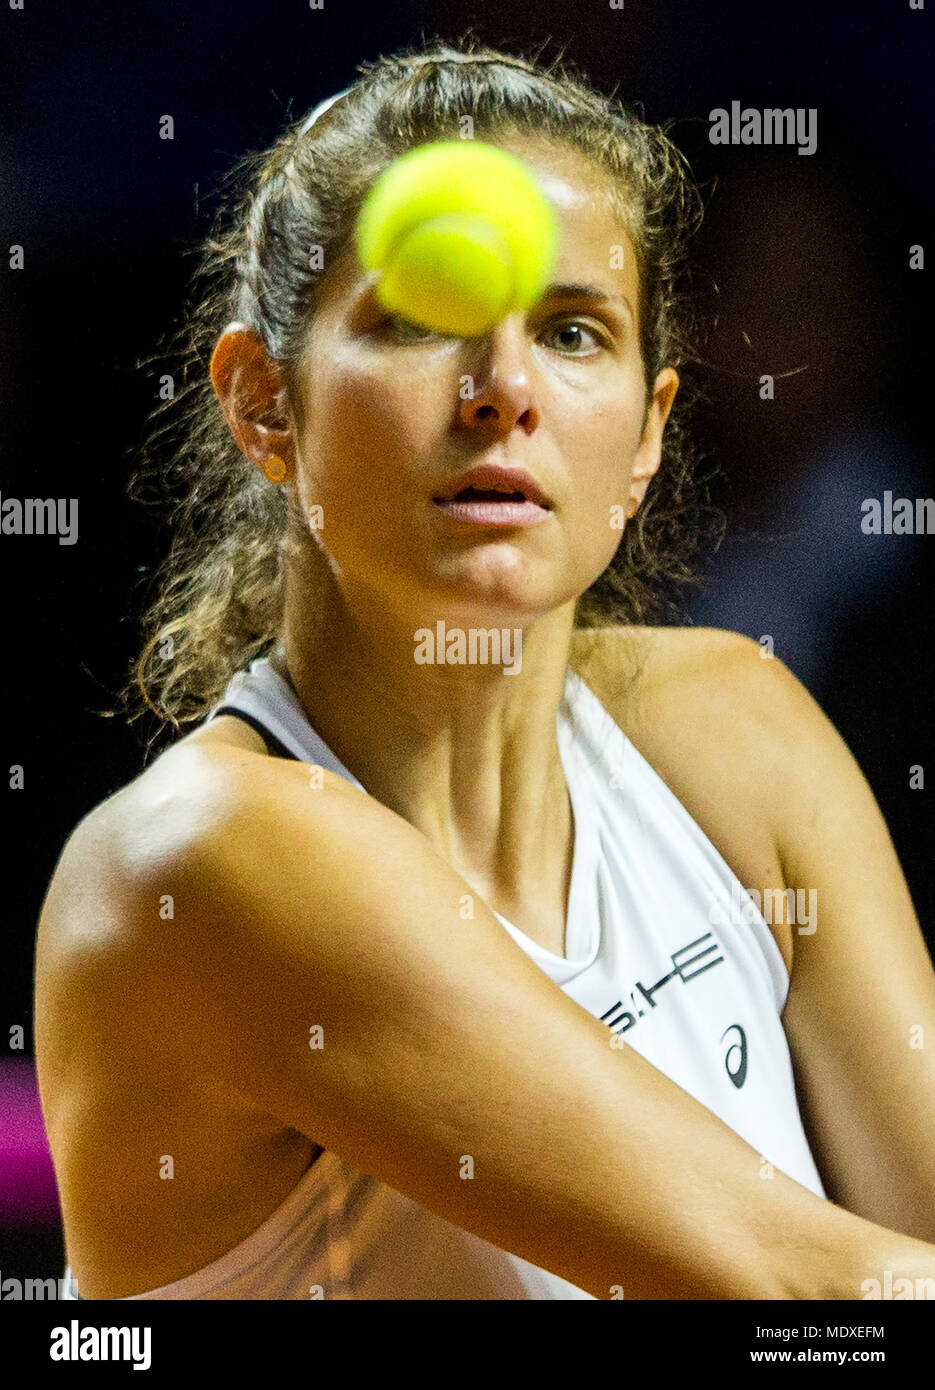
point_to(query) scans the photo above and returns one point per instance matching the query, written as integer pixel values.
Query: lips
(491, 482)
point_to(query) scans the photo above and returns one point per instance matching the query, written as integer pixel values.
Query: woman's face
(389, 423)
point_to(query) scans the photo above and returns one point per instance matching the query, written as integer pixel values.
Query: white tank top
(656, 948)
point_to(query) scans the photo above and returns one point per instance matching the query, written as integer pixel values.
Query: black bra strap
(276, 748)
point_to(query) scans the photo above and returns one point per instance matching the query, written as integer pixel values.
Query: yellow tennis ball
(462, 234)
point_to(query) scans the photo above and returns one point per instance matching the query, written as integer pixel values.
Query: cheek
(362, 439)
(365, 423)
(604, 455)
(601, 463)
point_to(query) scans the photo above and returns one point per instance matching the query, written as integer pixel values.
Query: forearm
(709, 1224)
(813, 1249)
(873, 1259)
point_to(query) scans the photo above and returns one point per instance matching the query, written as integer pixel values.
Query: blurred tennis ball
(462, 234)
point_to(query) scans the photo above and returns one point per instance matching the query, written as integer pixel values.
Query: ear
(250, 388)
(649, 454)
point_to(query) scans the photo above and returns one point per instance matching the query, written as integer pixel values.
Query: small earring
(277, 470)
(633, 507)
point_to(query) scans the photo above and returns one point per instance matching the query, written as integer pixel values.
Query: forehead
(581, 191)
(594, 244)
(593, 239)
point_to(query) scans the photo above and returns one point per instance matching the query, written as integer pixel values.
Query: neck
(464, 752)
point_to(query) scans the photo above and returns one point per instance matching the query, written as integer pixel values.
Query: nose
(500, 394)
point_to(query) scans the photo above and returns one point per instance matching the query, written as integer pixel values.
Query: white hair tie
(321, 108)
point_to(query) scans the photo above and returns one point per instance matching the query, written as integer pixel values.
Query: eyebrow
(555, 291)
(568, 291)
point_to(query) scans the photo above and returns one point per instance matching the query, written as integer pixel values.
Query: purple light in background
(28, 1192)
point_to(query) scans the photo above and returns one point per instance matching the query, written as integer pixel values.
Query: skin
(738, 740)
(469, 758)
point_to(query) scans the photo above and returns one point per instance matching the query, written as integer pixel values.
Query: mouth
(496, 484)
(495, 494)
(490, 494)
(490, 507)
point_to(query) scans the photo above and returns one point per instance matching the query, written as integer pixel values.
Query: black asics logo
(739, 1048)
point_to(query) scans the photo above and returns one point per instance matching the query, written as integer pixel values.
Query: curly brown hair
(219, 599)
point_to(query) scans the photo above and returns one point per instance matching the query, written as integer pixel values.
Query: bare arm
(860, 1017)
(296, 907)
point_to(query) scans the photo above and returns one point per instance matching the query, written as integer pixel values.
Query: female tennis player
(441, 959)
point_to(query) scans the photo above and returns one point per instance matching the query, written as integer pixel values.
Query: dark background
(809, 253)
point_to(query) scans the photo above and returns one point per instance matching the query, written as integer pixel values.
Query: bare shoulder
(652, 679)
(117, 1032)
(193, 793)
(92, 936)
(151, 820)
(106, 914)
(699, 703)
(666, 655)
(713, 715)
(109, 933)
